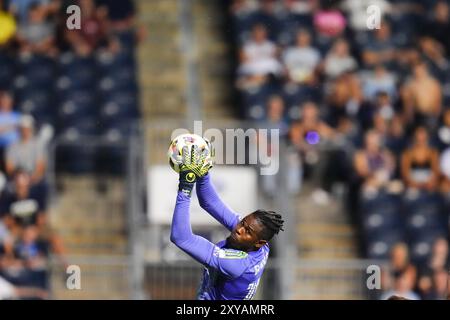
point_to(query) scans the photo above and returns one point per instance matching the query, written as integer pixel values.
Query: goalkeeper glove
(189, 169)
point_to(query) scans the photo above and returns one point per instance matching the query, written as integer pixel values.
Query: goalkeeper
(234, 266)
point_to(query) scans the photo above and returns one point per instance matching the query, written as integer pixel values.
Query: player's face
(246, 235)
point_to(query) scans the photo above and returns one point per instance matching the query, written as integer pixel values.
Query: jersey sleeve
(210, 201)
(229, 262)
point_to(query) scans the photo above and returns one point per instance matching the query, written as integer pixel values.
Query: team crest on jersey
(230, 254)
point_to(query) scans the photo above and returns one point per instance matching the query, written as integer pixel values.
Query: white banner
(236, 186)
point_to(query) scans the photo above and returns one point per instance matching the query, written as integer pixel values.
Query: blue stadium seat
(380, 247)
(7, 70)
(75, 155)
(40, 71)
(381, 203)
(255, 100)
(421, 245)
(81, 72)
(424, 211)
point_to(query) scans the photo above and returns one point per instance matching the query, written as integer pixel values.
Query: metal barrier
(320, 279)
(99, 277)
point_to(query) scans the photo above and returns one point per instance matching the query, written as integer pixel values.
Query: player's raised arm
(211, 202)
(198, 247)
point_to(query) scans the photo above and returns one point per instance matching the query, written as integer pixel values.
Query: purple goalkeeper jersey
(229, 274)
(217, 283)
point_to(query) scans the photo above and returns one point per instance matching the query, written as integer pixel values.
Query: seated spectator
(301, 60)
(93, 33)
(400, 266)
(32, 250)
(438, 27)
(7, 26)
(440, 258)
(403, 287)
(422, 98)
(37, 35)
(381, 49)
(23, 202)
(8, 291)
(329, 21)
(23, 205)
(343, 99)
(339, 60)
(440, 284)
(9, 122)
(21, 8)
(445, 169)
(275, 115)
(374, 164)
(27, 154)
(443, 133)
(305, 136)
(434, 54)
(258, 57)
(266, 15)
(357, 11)
(380, 80)
(310, 122)
(420, 163)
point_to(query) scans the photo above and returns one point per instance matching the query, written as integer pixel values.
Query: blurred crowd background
(56, 83)
(365, 115)
(377, 101)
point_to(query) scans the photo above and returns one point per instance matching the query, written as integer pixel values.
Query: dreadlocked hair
(271, 221)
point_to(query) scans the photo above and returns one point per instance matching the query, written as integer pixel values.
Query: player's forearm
(181, 233)
(210, 201)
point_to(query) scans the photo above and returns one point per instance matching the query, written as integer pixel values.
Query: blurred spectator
(37, 34)
(32, 250)
(275, 115)
(357, 10)
(402, 274)
(400, 261)
(422, 97)
(302, 59)
(121, 14)
(258, 57)
(94, 31)
(8, 291)
(328, 20)
(23, 202)
(374, 164)
(338, 60)
(343, 99)
(27, 154)
(381, 49)
(266, 16)
(403, 287)
(7, 26)
(438, 27)
(443, 133)
(440, 258)
(445, 169)
(309, 124)
(22, 205)
(380, 80)
(9, 122)
(420, 163)
(434, 54)
(440, 284)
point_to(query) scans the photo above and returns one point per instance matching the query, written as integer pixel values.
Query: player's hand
(190, 168)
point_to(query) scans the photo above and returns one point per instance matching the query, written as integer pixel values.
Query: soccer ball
(176, 146)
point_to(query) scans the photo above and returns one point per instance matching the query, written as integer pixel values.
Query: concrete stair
(324, 236)
(92, 225)
(161, 70)
(214, 61)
